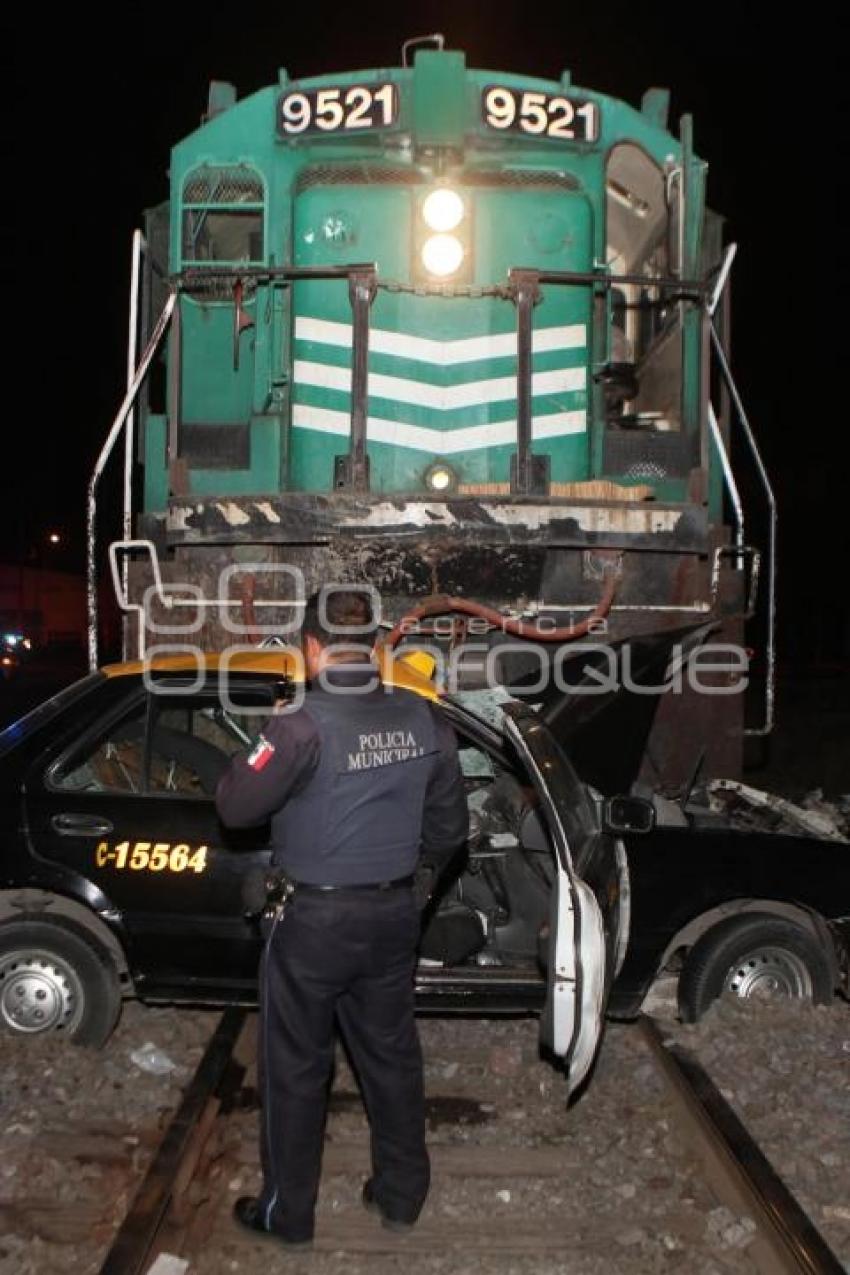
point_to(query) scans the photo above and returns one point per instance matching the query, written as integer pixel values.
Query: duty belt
(397, 884)
(266, 894)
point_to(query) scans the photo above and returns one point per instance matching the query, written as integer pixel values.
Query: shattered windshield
(564, 787)
(488, 703)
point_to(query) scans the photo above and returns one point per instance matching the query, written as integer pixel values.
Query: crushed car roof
(410, 671)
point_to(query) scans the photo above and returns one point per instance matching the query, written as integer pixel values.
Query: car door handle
(80, 826)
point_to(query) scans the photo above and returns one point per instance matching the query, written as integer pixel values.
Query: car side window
(114, 762)
(192, 742)
(169, 744)
(193, 737)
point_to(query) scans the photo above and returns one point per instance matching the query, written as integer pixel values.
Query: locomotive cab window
(230, 237)
(643, 374)
(223, 217)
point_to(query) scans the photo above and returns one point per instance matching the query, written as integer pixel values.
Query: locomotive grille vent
(646, 469)
(215, 446)
(383, 175)
(528, 179)
(641, 454)
(356, 175)
(223, 186)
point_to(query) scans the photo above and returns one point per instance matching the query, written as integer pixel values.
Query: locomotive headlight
(443, 210)
(442, 255)
(440, 477)
(442, 237)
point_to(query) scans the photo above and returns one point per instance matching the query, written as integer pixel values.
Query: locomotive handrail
(138, 252)
(286, 274)
(159, 591)
(105, 452)
(688, 288)
(770, 680)
(722, 277)
(685, 289)
(728, 474)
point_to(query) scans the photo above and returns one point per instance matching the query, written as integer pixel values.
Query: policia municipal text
(363, 788)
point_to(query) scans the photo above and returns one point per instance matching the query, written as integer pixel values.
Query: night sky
(96, 106)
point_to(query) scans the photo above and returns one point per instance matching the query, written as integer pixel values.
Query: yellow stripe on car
(411, 670)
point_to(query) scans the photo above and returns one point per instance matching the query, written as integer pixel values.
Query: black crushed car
(117, 878)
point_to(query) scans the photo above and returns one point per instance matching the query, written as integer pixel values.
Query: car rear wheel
(53, 978)
(753, 955)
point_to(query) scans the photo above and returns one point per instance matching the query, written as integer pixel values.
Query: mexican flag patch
(260, 754)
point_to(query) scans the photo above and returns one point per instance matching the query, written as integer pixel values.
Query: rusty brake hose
(441, 604)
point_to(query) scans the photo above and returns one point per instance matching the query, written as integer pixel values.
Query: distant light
(443, 210)
(442, 255)
(54, 537)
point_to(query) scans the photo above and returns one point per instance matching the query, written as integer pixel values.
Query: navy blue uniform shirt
(361, 782)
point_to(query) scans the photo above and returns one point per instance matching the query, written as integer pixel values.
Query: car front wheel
(54, 978)
(753, 955)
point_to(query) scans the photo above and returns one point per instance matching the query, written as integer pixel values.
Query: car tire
(754, 954)
(54, 978)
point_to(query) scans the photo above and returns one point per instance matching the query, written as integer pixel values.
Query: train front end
(445, 331)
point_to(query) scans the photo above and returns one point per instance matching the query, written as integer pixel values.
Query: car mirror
(628, 814)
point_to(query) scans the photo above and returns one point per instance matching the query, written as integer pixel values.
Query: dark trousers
(344, 956)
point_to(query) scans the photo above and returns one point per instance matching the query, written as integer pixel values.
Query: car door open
(586, 917)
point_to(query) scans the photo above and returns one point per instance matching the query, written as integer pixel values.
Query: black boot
(391, 1223)
(249, 1212)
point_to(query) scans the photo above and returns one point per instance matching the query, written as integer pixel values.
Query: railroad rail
(787, 1241)
(164, 1217)
(217, 1077)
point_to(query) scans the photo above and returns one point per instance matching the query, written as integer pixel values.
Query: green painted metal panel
(156, 471)
(262, 476)
(439, 108)
(442, 368)
(655, 105)
(213, 390)
(439, 98)
(404, 469)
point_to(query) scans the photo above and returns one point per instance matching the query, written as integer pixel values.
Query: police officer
(363, 787)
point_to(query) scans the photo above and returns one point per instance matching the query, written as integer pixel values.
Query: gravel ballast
(78, 1128)
(613, 1189)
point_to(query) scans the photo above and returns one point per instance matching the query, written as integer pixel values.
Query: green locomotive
(450, 332)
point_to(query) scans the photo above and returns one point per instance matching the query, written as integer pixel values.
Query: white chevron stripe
(441, 353)
(440, 398)
(437, 442)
